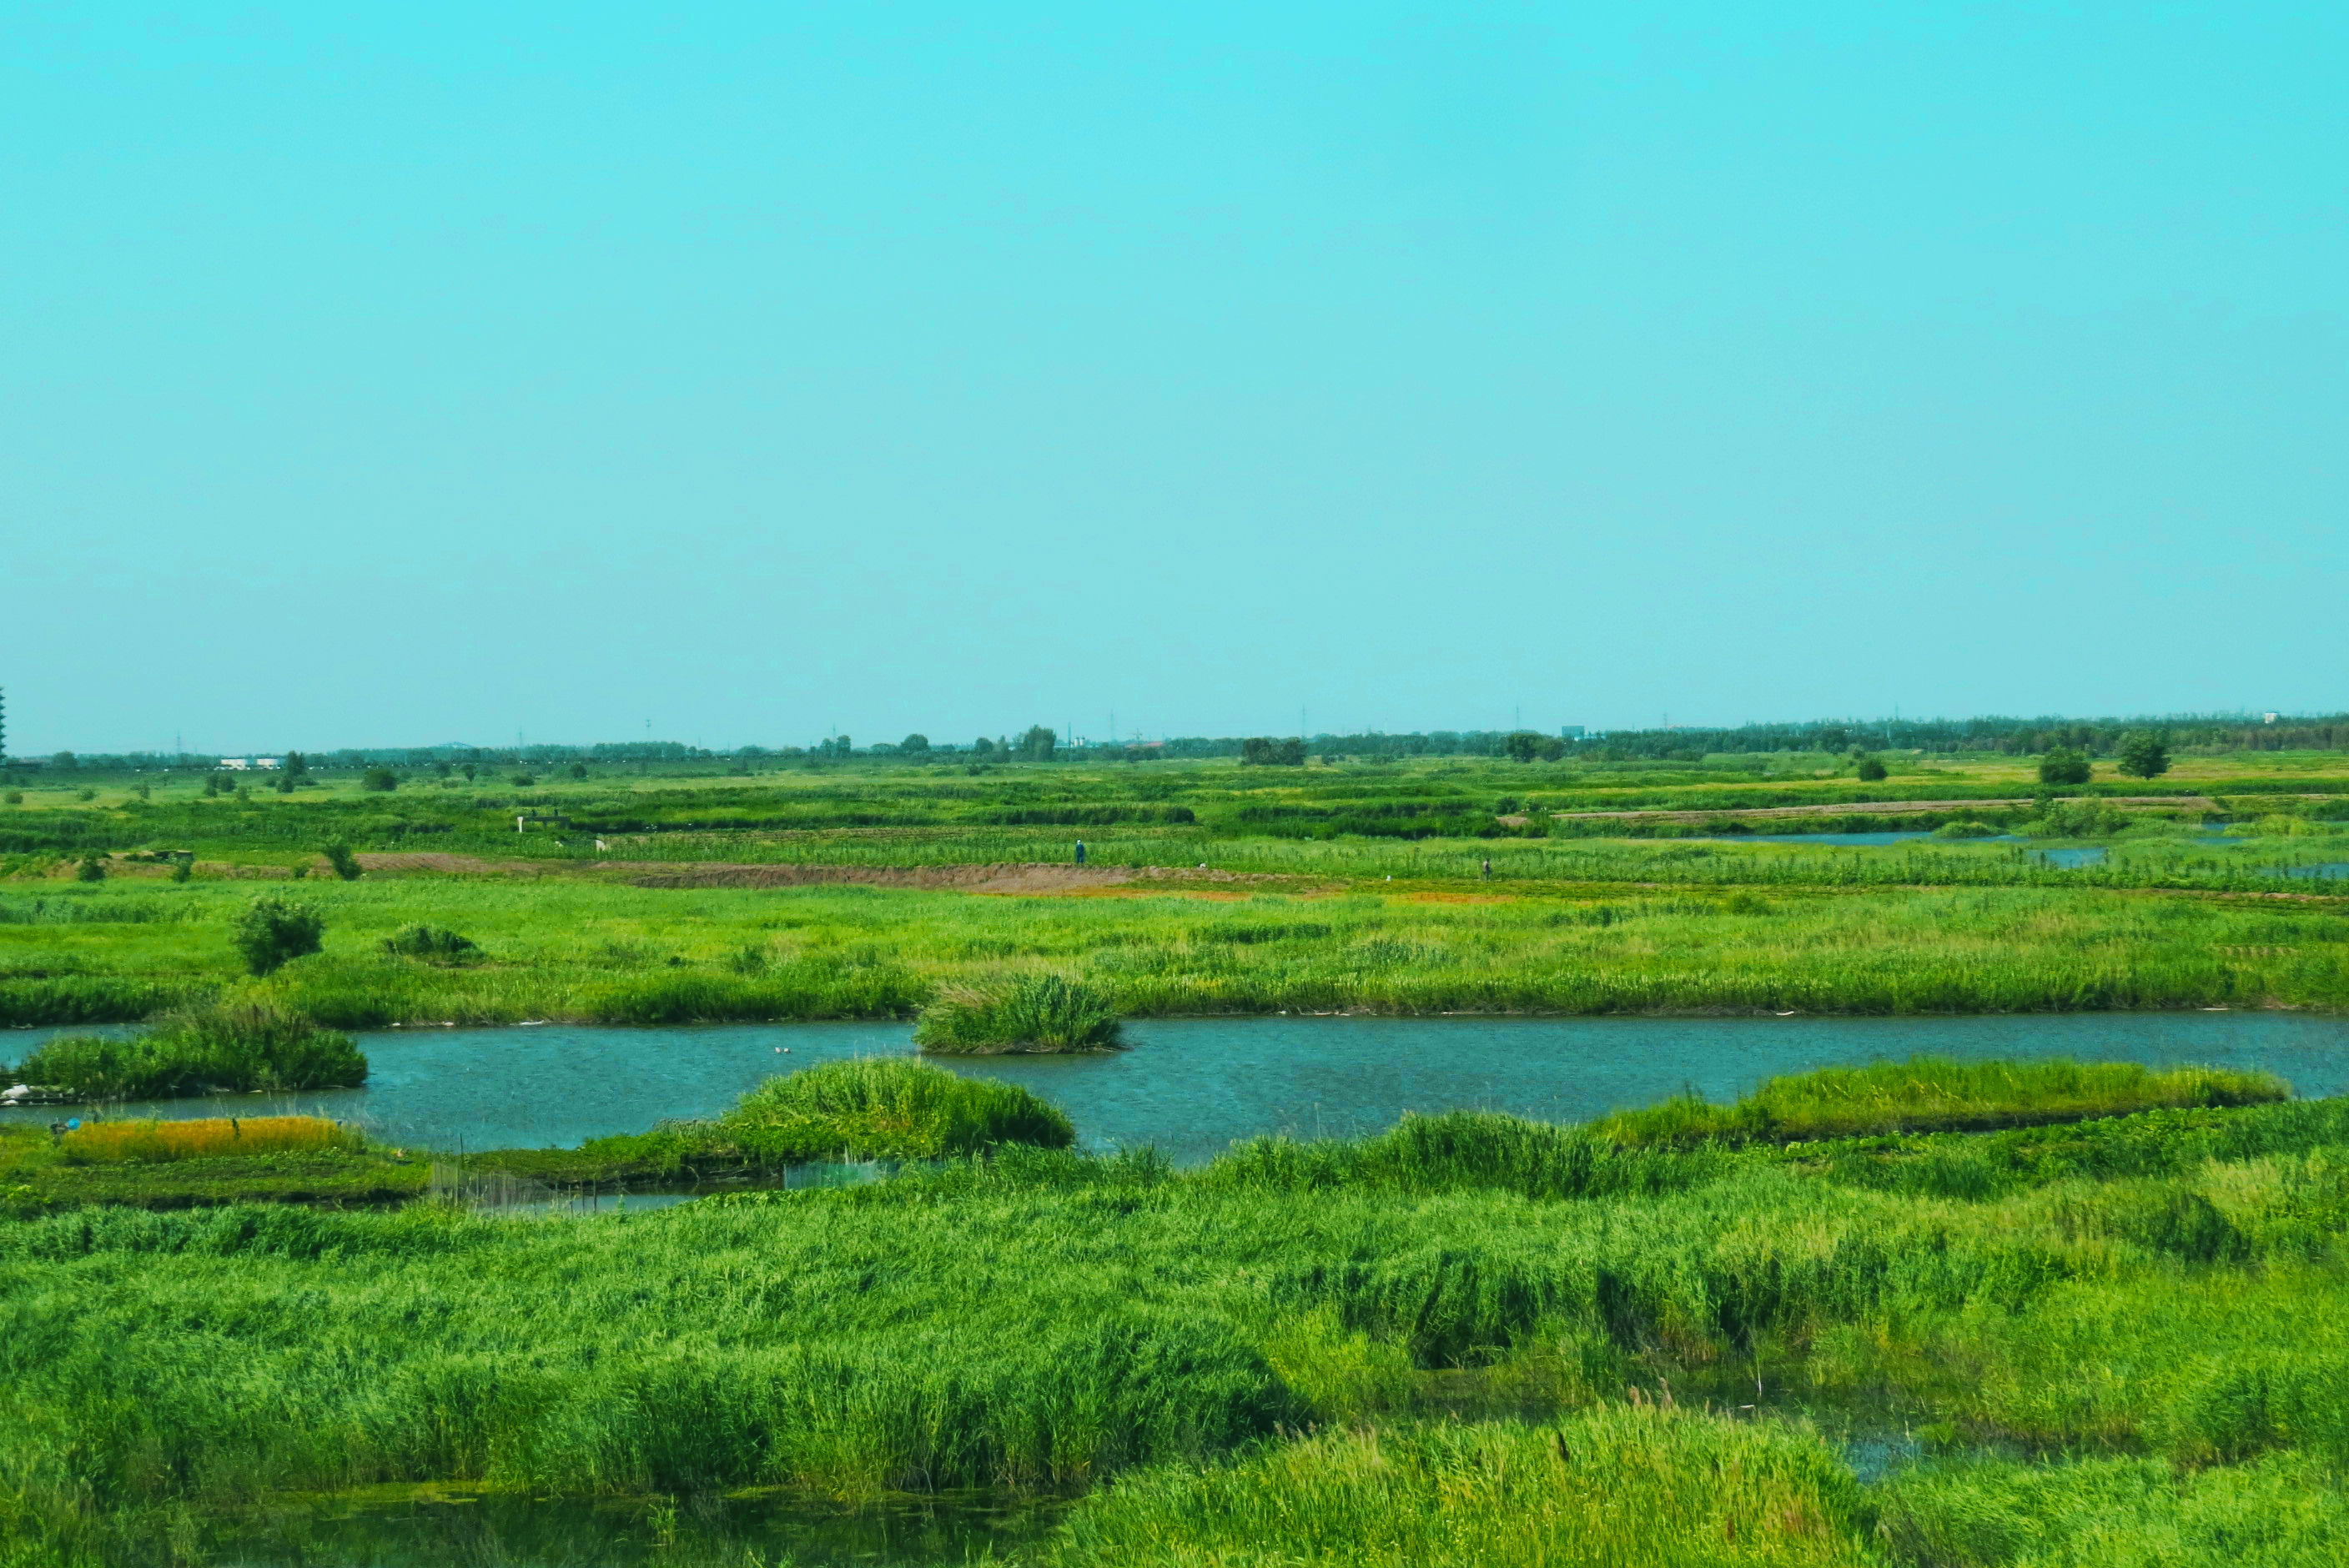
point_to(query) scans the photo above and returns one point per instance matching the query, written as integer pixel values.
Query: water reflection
(432, 1526)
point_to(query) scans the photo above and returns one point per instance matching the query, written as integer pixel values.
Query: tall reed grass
(1615, 1487)
(1040, 1320)
(1041, 1013)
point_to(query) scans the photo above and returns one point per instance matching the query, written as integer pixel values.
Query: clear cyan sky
(397, 374)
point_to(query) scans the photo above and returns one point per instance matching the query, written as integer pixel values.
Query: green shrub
(346, 864)
(1036, 1013)
(380, 779)
(2062, 765)
(1968, 829)
(2077, 819)
(2144, 754)
(90, 869)
(271, 932)
(432, 943)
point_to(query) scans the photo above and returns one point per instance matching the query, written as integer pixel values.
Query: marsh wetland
(1467, 1181)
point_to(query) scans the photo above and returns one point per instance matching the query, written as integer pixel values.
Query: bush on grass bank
(432, 944)
(271, 931)
(869, 1107)
(1034, 1013)
(235, 1046)
(1929, 1094)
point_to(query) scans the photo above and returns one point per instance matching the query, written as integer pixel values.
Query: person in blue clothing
(1080, 851)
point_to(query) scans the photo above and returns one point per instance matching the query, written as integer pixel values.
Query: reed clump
(1040, 1013)
(1928, 1093)
(868, 1108)
(206, 1138)
(229, 1047)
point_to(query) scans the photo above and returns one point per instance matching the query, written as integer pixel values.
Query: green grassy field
(1311, 897)
(2113, 1342)
(593, 951)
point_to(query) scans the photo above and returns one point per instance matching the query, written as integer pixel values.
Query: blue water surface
(1192, 1086)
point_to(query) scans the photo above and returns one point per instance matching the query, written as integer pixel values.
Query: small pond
(2070, 859)
(1191, 1086)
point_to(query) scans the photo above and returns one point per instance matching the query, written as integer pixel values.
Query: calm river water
(1191, 1086)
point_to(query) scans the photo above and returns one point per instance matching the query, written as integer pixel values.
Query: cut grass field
(2111, 1342)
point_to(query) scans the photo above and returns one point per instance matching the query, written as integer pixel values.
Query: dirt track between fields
(1003, 877)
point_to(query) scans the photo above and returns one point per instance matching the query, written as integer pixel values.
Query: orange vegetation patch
(1158, 893)
(111, 1142)
(1458, 897)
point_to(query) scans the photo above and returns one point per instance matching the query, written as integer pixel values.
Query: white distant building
(250, 764)
(234, 763)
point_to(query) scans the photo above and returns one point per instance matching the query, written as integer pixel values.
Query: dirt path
(1004, 877)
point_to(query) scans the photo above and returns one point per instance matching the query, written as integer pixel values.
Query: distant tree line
(2100, 738)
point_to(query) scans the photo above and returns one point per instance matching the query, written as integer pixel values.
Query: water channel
(1192, 1086)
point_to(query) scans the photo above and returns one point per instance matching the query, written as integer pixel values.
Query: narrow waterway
(1192, 1086)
